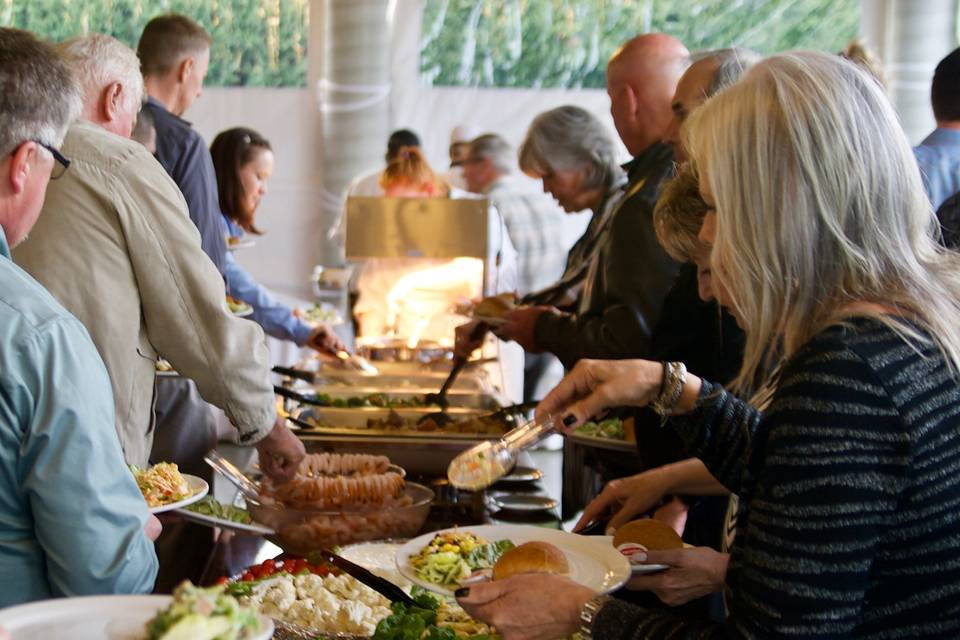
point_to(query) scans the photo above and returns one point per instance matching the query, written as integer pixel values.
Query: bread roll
(494, 306)
(531, 557)
(652, 534)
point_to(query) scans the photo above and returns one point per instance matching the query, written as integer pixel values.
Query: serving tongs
(359, 363)
(228, 470)
(290, 394)
(441, 418)
(300, 374)
(384, 587)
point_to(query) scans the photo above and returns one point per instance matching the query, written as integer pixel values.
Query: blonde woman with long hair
(847, 456)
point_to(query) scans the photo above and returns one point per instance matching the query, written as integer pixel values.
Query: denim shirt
(71, 516)
(275, 318)
(938, 157)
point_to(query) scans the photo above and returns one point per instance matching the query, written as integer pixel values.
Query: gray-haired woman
(572, 152)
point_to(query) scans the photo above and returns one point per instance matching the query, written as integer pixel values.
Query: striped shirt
(849, 489)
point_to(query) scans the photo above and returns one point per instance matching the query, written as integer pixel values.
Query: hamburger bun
(531, 557)
(651, 534)
(494, 306)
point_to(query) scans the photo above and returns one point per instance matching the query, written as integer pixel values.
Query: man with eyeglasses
(72, 521)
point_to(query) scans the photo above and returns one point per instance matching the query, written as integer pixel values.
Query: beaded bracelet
(671, 387)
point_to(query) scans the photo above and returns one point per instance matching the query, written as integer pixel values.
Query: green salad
(210, 506)
(611, 428)
(426, 622)
(452, 556)
(202, 614)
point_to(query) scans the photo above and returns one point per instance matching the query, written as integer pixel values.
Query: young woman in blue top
(244, 163)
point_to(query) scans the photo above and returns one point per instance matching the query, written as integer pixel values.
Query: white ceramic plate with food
(94, 618)
(198, 489)
(599, 442)
(254, 528)
(240, 242)
(593, 561)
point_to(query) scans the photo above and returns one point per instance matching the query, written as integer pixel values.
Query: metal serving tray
(457, 397)
(419, 456)
(403, 375)
(424, 453)
(354, 419)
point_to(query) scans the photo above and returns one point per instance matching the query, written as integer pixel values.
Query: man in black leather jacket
(632, 273)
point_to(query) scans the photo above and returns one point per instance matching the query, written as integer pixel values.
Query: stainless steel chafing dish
(419, 452)
(457, 397)
(397, 376)
(398, 350)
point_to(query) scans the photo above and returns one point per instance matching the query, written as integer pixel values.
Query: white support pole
(911, 36)
(350, 77)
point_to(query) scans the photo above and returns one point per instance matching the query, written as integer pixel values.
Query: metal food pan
(456, 397)
(402, 381)
(428, 456)
(357, 417)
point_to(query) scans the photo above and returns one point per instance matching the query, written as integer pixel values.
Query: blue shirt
(185, 157)
(71, 516)
(939, 159)
(276, 319)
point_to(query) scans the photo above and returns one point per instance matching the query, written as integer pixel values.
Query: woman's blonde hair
(411, 168)
(820, 204)
(679, 214)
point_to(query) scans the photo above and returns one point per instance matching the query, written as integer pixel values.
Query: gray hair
(494, 148)
(39, 97)
(732, 63)
(98, 61)
(568, 138)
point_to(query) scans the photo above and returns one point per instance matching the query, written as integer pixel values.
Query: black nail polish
(569, 420)
(462, 592)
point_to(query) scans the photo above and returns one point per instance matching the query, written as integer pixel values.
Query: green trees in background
(256, 42)
(566, 43)
(504, 43)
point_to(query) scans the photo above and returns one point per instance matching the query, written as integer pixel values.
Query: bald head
(642, 76)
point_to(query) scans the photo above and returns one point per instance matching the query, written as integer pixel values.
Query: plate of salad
(431, 619)
(192, 612)
(164, 488)
(211, 512)
(604, 434)
(444, 560)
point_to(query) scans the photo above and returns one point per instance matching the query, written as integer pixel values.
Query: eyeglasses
(62, 164)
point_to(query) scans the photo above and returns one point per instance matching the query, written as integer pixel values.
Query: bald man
(632, 273)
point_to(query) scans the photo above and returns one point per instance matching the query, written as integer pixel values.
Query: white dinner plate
(242, 243)
(198, 489)
(254, 528)
(93, 618)
(593, 561)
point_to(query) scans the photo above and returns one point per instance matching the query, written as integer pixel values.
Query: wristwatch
(588, 613)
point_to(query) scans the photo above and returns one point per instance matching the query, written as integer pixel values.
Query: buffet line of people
(764, 283)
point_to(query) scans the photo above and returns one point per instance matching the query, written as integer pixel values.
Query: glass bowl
(300, 531)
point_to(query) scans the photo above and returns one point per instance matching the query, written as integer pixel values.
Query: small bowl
(300, 531)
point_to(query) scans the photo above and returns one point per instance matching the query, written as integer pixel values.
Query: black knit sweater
(850, 497)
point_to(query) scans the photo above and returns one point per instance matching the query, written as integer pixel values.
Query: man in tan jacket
(116, 247)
